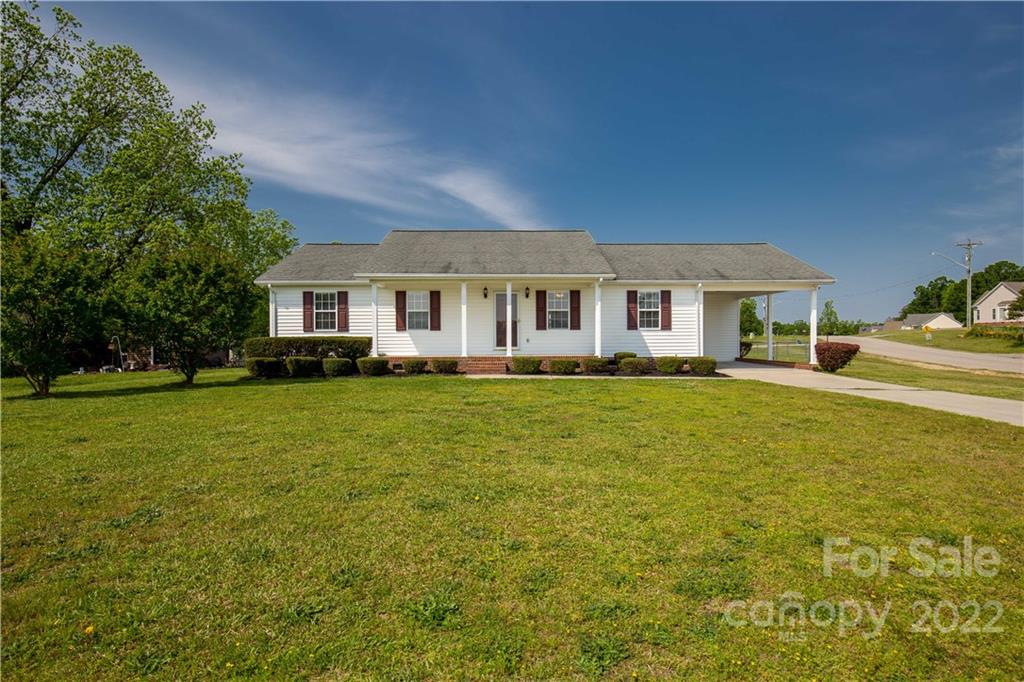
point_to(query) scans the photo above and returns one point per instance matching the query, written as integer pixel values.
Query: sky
(858, 137)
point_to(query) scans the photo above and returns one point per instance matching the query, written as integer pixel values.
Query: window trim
(409, 297)
(567, 309)
(640, 309)
(333, 311)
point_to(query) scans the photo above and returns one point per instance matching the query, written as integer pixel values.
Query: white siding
(681, 340)
(447, 341)
(721, 326)
(289, 310)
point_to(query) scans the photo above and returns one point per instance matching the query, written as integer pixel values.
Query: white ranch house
(452, 293)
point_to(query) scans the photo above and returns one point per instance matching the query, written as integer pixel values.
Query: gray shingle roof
(489, 252)
(319, 262)
(537, 252)
(707, 262)
(920, 319)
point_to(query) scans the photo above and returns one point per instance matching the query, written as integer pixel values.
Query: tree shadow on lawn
(86, 392)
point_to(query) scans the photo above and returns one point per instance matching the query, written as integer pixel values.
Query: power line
(892, 286)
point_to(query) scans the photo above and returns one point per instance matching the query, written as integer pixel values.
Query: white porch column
(373, 319)
(273, 312)
(769, 317)
(508, 319)
(465, 316)
(811, 355)
(700, 318)
(597, 318)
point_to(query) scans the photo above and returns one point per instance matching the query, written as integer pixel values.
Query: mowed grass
(992, 384)
(439, 527)
(787, 348)
(952, 339)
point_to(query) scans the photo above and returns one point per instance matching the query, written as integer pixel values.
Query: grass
(787, 348)
(434, 527)
(952, 339)
(993, 384)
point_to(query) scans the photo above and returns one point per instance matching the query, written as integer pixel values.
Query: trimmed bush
(445, 365)
(832, 356)
(745, 348)
(414, 366)
(634, 365)
(265, 368)
(522, 364)
(702, 365)
(622, 355)
(670, 364)
(301, 366)
(563, 366)
(351, 347)
(595, 365)
(373, 367)
(337, 367)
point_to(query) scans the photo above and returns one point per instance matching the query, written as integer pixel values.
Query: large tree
(927, 297)
(750, 323)
(95, 158)
(954, 298)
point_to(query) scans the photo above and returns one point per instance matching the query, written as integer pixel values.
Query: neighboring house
(495, 293)
(993, 306)
(870, 328)
(930, 320)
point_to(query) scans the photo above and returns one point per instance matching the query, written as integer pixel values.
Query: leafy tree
(750, 323)
(95, 158)
(1016, 309)
(927, 297)
(954, 298)
(828, 320)
(47, 292)
(189, 301)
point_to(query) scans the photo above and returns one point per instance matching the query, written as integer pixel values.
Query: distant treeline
(945, 295)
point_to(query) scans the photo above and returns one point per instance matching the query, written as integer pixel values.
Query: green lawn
(439, 527)
(994, 384)
(787, 348)
(952, 339)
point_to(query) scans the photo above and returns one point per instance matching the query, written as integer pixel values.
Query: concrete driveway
(995, 409)
(998, 362)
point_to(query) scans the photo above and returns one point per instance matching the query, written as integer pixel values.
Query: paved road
(999, 362)
(995, 409)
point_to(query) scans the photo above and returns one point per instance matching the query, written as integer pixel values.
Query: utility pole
(968, 247)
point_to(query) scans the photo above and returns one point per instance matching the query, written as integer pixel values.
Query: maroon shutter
(542, 309)
(666, 309)
(435, 311)
(399, 311)
(307, 311)
(574, 309)
(631, 321)
(342, 311)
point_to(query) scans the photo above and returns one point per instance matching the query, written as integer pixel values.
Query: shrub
(265, 368)
(595, 365)
(634, 365)
(301, 366)
(745, 348)
(373, 367)
(563, 366)
(832, 357)
(445, 365)
(702, 365)
(337, 367)
(522, 364)
(622, 355)
(414, 366)
(670, 364)
(351, 347)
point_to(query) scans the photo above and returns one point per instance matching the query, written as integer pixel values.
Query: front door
(501, 323)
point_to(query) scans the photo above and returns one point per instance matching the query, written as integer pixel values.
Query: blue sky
(859, 137)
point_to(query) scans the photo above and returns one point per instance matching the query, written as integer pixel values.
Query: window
(993, 313)
(649, 307)
(558, 310)
(325, 311)
(417, 310)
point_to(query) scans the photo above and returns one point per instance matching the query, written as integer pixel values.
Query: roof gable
(1014, 287)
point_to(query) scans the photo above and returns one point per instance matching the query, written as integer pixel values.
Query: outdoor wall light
(527, 292)
(485, 292)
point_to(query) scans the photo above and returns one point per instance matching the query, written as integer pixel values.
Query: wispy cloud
(347, 150)
(995, 212)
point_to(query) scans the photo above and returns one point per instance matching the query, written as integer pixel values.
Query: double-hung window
(417, 310)
(558, 310)
(649, 308)
(325, 311)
